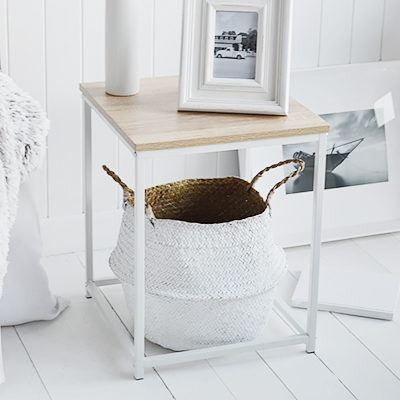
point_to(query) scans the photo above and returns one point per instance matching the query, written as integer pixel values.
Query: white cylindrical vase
(122, 42)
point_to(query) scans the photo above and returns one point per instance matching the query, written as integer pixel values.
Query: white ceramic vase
(122, 58)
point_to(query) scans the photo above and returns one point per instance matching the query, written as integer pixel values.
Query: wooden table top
(150, 120)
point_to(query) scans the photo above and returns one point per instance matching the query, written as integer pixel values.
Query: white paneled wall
(63, 72)
(306, 33)
(367, 37)
(49, 46)
(391, 31)
(167, 36)
(337, 32)
(3, 36)
(25, 45)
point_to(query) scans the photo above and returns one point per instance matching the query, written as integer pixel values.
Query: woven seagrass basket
(211, 265)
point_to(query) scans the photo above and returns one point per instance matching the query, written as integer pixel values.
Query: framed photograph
(356, 153)
(236, 56)
(362, 104)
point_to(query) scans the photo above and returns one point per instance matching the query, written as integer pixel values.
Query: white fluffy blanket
(23, 131)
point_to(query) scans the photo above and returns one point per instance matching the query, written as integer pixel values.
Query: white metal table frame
(306, 335)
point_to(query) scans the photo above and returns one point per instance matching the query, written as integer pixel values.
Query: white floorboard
(385, 249)
(354, 364)
(382, 338)
(195, 381)
(305, 375)
(241, 377)
(396, 235)
(77, 356)
(346, 254)
(347, 357)
(22, 380)
(248, 376)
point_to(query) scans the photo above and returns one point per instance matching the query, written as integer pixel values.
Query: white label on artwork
(384, 109)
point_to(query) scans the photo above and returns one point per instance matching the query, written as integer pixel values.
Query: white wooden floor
(77, 357)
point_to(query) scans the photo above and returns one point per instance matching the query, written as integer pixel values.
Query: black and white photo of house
(356, 153)
(235, 48)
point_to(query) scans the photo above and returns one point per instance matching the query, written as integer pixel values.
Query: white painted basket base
(205, 323)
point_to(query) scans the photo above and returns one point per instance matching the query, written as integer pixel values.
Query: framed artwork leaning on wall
(236, 56)
(361, 102)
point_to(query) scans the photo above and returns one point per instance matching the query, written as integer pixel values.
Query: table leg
(87, 132)
(319, 186)
(139, 323)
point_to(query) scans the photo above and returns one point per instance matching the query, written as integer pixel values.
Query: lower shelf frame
(127, 340)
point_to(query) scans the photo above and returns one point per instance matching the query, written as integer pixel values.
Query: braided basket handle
(118, 180)
(284, 180)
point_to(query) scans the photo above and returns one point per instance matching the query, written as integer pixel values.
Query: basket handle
(284, 180)
(251, 184)
(118, 180)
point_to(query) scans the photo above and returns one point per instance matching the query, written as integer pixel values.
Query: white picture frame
(247, 85)
(348, 212)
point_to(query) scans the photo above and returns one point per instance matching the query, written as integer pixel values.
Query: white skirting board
(67, 234)
(351, 291)
(294, 239)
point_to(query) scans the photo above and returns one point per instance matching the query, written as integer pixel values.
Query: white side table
(150, 127)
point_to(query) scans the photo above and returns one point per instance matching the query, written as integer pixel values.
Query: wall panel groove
(352, 30)
(336, 28)
(306, 33)
(382, 30)
(367, 31)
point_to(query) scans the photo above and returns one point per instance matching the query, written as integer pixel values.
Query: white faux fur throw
(23, 131)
